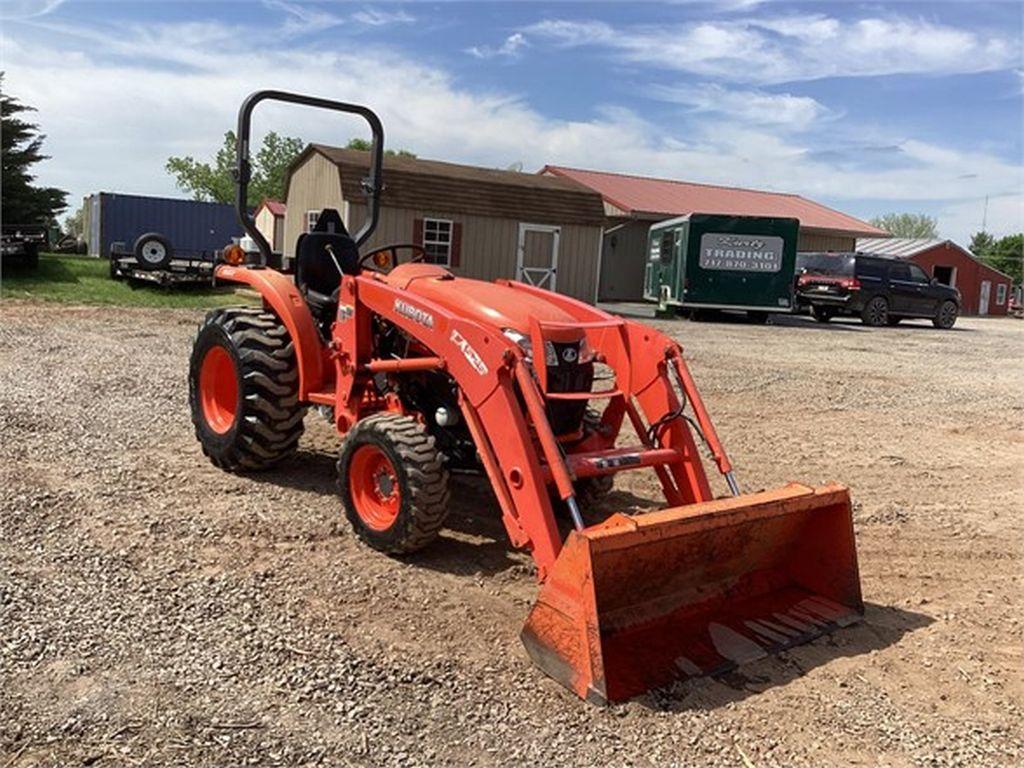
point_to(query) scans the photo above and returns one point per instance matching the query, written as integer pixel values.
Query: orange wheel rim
(373, 486)
(218, 389)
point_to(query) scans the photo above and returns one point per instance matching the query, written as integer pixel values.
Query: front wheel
(876, 312)
(946, 317)
(393, 483)
(243, 390)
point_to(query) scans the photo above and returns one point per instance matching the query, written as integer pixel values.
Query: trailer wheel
(822, 314)
(243, 390)
(153, 251)
(32, 256)
(393, 483)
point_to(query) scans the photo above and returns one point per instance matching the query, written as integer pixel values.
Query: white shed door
(986, 293)
(537, 255)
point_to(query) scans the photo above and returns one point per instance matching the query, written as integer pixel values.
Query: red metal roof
(276, 207)
(640, 195)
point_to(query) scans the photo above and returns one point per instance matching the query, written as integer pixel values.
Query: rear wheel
(243, 390)
(875, 312)
(394, 486)
(946, 316)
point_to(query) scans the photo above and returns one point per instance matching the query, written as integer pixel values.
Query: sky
(866, 107)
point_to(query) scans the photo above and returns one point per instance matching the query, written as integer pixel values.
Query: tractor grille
(568, 376)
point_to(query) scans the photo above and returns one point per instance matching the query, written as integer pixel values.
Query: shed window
(1001, 293)
(311, 219)
(437, 241)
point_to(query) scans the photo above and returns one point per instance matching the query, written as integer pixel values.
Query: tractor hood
(497, 306)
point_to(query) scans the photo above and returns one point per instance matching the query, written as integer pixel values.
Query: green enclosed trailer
(714, 262)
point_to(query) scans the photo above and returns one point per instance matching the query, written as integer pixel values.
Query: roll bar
(243, 169)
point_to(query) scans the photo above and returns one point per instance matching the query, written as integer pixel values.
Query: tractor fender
(283, 298)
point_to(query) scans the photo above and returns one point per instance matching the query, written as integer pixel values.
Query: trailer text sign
(746, 253)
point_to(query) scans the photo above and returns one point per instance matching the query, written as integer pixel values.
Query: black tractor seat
(322, 256)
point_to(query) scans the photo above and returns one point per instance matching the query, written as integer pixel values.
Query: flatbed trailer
(196, 269)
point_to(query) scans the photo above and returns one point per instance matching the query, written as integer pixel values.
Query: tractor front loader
(423, 372)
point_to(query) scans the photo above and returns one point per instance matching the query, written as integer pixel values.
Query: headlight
(526, 344)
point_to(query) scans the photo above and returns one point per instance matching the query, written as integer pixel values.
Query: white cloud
(28, 9)
(748, 106)
(511, 48)
(114, 113)
(791, 48)
(1000, 214)
(374, 17)
(303, 19)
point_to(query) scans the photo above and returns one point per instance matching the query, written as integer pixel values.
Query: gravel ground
(156, 611)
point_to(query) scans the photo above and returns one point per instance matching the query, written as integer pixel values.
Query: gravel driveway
(156, 611)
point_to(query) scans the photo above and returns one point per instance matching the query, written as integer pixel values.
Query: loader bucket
(637, 602)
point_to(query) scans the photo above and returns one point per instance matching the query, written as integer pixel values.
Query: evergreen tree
(22, 147)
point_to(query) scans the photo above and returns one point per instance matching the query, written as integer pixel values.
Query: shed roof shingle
(431, 185)
(645, 196)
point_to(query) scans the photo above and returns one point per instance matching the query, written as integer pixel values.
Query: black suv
(880, 291)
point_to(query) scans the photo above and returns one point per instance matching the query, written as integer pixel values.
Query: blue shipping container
(193, 227)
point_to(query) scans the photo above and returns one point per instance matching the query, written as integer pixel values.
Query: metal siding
(811, 241)
(622, 265)
(191, 226)
(312, 186)
(489, 245)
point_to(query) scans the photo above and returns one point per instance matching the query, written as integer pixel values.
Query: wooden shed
(479, 222)
(269, 218)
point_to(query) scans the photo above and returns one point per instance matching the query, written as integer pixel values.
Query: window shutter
(417, 232)
(456, 251)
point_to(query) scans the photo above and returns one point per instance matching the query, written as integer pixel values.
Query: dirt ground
(156, 611)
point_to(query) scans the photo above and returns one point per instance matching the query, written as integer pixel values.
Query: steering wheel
(418, 254)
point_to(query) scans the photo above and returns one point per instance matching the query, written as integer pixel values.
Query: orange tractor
(423, 373)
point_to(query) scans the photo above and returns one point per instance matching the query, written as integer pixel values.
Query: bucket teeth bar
(637, 602)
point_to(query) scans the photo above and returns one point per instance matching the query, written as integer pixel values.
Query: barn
(478, 222)
(983, 290)
(633, 203)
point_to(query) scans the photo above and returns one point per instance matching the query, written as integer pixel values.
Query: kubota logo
(415, 314)
(470, 354)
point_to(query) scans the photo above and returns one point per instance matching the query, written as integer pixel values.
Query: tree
(214, 181)
(22, 147)
(981, 243)
(1007, 255)
(907, 224)
(74, 223)
(364, 145)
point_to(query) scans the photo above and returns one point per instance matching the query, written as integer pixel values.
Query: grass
(83, 280)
